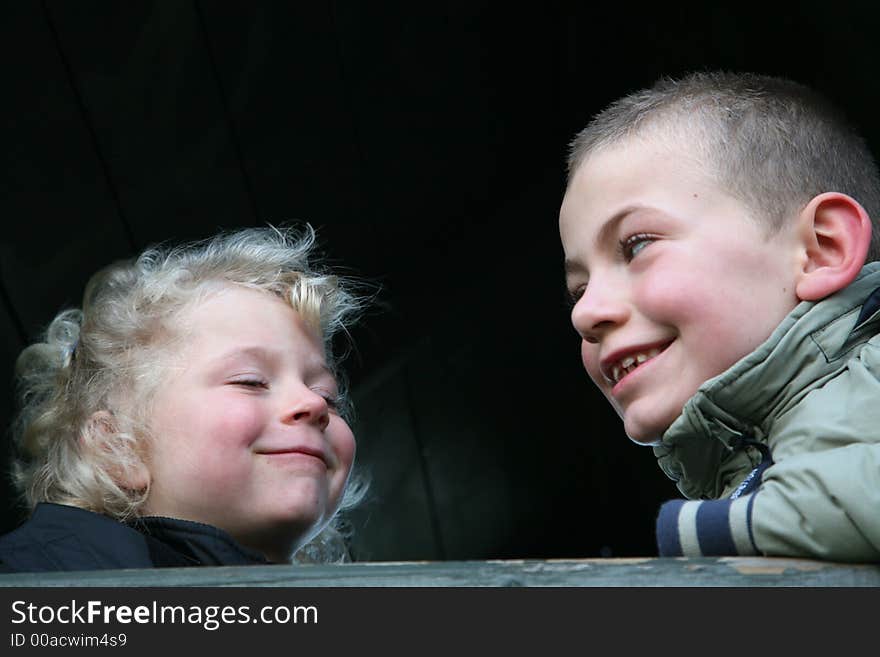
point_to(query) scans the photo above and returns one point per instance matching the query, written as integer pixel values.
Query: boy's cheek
(590, 359)
(660, 295)
(587, 354)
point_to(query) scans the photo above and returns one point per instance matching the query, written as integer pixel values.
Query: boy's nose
(597, 312)
(308, 407)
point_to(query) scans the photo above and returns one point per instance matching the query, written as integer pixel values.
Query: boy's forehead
(664, 142)
(626, 170)
(634, 176)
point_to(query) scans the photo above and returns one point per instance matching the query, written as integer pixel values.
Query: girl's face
(245, 431)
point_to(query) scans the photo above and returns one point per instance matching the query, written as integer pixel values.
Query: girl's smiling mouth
(304, 453)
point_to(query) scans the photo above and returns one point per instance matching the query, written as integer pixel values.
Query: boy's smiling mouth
(623, 361)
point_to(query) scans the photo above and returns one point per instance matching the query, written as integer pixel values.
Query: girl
(189, 414)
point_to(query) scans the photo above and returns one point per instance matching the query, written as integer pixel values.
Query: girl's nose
(309, 407)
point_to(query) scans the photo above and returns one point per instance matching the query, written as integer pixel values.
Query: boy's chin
(649, 441)
(643, 434)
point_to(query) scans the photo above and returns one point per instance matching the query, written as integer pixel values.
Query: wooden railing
(648, 572)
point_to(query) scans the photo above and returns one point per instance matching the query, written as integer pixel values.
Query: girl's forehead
(233, 303)
(234, 317)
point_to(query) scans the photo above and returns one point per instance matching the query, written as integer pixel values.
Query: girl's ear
(101, 436)
(835, 233)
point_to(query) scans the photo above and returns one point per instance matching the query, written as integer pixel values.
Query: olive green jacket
(811, 394)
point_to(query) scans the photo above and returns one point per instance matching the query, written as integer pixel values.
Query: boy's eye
(575, 295)
(631, 246)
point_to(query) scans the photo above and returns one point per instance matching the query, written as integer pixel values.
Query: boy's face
(245, 435)
(674, 280)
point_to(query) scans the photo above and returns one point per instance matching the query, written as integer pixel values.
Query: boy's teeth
(629, 363)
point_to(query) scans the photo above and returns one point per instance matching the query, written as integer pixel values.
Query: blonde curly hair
(108, 356)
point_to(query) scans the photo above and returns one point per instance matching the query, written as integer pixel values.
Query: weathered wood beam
(647, 572)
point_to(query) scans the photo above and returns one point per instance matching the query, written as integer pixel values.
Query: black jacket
(59, 537)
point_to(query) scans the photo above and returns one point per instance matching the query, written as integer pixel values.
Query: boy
(716, 230)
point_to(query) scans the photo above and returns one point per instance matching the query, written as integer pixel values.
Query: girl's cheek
(345, 446)
(238, 423)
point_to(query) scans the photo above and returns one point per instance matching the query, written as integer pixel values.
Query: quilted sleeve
(823, 505)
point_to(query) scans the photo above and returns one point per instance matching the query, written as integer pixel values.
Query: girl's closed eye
(332, 401)
(250, 382)
(630, 247)
(330, 397)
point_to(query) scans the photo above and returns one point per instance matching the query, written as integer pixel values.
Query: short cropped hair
(108, 356)
(771, 143)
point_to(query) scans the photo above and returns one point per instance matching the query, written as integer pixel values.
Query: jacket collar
(704, 450)
(204, 545)
(62, 537)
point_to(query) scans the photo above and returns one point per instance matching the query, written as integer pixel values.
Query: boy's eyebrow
(610, 227)
(573, 267)
(603, 236)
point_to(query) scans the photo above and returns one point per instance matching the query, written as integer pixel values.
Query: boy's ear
(835, 232)
(101, 430)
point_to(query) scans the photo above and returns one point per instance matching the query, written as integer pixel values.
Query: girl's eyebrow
(264, 354)
(256, 351)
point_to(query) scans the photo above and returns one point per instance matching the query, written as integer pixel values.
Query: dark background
(426, 142)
